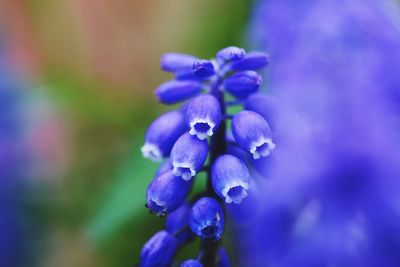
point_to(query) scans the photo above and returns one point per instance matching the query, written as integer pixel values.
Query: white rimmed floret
(156, 206)
(151, 151)
(261, 148)
(202, 128)
(235, 191)
(184, 170)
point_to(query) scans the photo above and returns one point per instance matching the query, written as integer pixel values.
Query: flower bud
(162, 134)
(242, 84)
(230, 53)
(186, 74)
(188, 156)
(252, 133)
(203, 116)
(176, 223)
(230, 178)
(173, 91)
(203, 68)
(159, 250)
(191, 263)
(166, 193)
(172, 62)
(223, 258)
(207, 219)
(251, 61)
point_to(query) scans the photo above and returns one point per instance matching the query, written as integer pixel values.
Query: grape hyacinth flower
(243, 84)
(188, 156)
(253, 134)
(203, 116)
(166, 193)
(162, 134)
(199, 131)
(175, 91)
(159, 250)
(206, 219)
(230, 178)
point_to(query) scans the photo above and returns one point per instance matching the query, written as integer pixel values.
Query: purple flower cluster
(332, 188)
(196, 138)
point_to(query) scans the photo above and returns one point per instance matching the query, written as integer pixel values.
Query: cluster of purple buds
(194, 139)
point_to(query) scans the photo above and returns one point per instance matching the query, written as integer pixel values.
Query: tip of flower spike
(185, 171)
(230, 53)
(152, 152)
(201, 128)
(262, 148)
(203, 68)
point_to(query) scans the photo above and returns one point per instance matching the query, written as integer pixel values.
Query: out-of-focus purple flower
(162, 135)
(333, 185)
(207, 219)
(203, 116)
(166, 193)
(188, 156)
(15, 239)
(159, 250)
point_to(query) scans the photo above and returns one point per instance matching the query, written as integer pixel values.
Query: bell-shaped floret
(188, 156)
(166, 193)
(162, 134)
(252, 133)
(207, 219)
(203, 116)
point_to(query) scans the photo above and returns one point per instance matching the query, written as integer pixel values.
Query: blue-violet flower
(188, 156)
(203, 116)
(172, 92)
(172, 62)
(252, 133)
(251, 61)
(166, 193)
(203, 68)
(230, 178)
(159, 250)
(162, 134)
(242, 84)
(230, 53)
(207, 219)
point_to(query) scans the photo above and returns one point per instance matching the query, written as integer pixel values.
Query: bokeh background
(76, 95)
